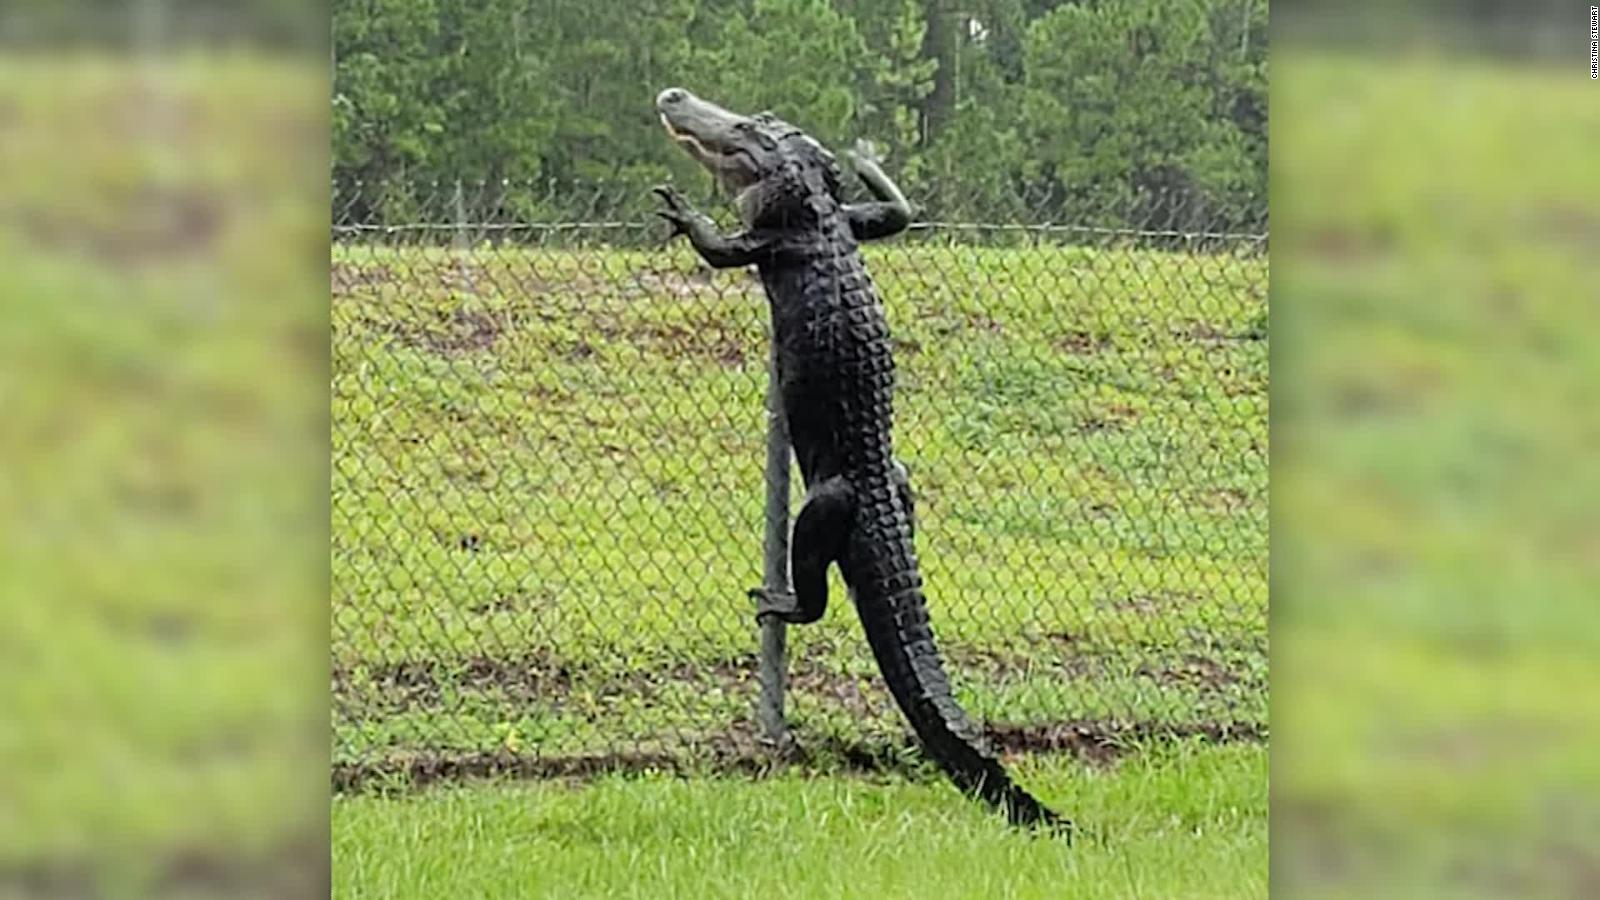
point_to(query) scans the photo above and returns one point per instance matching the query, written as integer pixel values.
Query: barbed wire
(1042, 227)
(507, 207)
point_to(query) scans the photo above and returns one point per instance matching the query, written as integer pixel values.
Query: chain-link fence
(549, 439)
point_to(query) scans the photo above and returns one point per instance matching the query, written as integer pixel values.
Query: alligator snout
(720, 140)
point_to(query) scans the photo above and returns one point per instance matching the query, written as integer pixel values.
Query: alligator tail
(895, 616)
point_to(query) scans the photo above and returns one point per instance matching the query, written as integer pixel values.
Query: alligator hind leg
(818, 538)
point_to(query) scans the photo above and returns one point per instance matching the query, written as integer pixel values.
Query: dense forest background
(1143, 112)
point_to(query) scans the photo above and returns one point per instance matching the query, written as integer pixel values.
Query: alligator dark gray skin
(836, 378)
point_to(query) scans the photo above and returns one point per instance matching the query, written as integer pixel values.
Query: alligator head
(777, 171)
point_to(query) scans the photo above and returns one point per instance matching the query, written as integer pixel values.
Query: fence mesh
(548, 490)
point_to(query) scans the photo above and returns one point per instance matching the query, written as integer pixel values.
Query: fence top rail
(355, 228)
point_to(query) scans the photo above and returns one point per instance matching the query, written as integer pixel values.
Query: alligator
(835, 375)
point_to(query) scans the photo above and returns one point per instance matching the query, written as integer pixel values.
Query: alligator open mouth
(684, 137)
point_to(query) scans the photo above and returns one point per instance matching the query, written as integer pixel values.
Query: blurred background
(163, 518)
(1436, 552)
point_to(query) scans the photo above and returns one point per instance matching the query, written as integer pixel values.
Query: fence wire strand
(549, 440)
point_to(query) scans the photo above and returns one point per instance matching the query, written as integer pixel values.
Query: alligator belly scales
(836, 378)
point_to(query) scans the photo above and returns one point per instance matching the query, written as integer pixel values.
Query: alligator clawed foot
(771, 604)
(677, 212)
(864, 153)
(678, 225)
(785, 747)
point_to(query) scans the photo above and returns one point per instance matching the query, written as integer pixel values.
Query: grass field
(1179, 821)
(547, 497)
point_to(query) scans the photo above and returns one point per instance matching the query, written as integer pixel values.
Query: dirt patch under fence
(543, 680)
(739, 751)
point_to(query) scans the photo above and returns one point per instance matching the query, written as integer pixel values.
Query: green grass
(1183, 821)
(548, 460)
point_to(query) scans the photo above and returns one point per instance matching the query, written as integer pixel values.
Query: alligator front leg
(817, 540)
(891, 214)
(720, 251)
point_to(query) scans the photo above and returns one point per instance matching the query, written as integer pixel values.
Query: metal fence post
(774, 634)
(461, 241)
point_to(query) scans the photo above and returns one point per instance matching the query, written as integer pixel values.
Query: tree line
(1151, 113)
